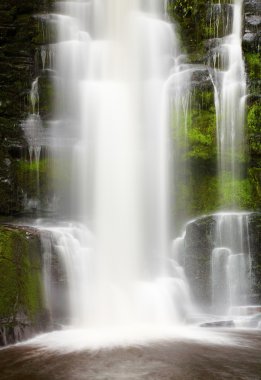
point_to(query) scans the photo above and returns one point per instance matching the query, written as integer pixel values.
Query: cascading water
(118, 70)
(34, 134)
(231, 263)
(230, 99)
(230, 258)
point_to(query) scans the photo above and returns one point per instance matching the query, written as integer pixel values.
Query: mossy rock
(22, 309)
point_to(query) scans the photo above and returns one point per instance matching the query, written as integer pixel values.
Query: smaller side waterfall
(230, 96)
(231, 263)
(34, 134)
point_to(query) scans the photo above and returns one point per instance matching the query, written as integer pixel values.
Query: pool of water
(235, 355)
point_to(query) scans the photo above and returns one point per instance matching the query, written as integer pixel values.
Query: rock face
(199, 243)
(20, 38)
(22, 304)
(255, 249)
(201, 25)
(252, 31)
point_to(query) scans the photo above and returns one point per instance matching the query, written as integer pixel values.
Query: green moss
(254, 133)
(236, 192)
(191, 16)
(46, 96)
(27, 166)
(254, 175)
(253, 118)
(202, 135)
(33, 178)
(20, 273)
(253, 62)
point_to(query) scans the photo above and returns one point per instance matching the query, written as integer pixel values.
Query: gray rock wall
(199, 243)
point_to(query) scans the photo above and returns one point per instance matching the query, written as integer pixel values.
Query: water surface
(162, 360)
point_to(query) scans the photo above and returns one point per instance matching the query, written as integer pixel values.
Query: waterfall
(34, 134)
(231, 263)
(118, 75)
(230, 258)
(230, 98)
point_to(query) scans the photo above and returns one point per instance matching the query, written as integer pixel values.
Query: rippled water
(176, 359)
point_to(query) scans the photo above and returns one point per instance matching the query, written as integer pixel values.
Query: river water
(232, 354)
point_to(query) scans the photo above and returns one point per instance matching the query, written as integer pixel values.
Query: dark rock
(201, 79)
(20, 36)
(251, 41)
(199, 243)
(255, 321)
(219, 324)
(252, 22)
(252, 6)
(255, 249)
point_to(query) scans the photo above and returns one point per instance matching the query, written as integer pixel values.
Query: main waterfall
(118, 66)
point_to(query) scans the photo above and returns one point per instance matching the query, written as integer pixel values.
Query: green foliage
(198, 139)
(35, 180)
(183, 8)
(254, 118)
(26, 166)
(46, 96)
(253, 62)
(201, 135)
(255, 180)
(208, 196)
(236, 193)
(254, 133)
(191, 17)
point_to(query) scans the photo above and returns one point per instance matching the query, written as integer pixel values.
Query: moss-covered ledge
(22, 310)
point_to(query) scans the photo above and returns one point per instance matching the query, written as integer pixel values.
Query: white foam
(74, 340)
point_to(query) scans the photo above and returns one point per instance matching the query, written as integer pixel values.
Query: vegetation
(199, 190)
(20, 272)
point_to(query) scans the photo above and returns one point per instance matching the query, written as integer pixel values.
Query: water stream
(231, 263)
(230, 97)
(120, 72)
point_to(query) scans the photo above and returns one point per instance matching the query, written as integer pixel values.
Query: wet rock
(252, 6)
(20, 36)
(254, 321)
(252, 22)
(22, 304)
(251, 41)
(245, 310)
(252, 34)
(199, 243)
(219, 324)
(255, 249)
(201, 79)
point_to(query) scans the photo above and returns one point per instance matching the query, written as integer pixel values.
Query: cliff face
(200, 24)
(251, 46)
(22, 311)
(21, 34)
